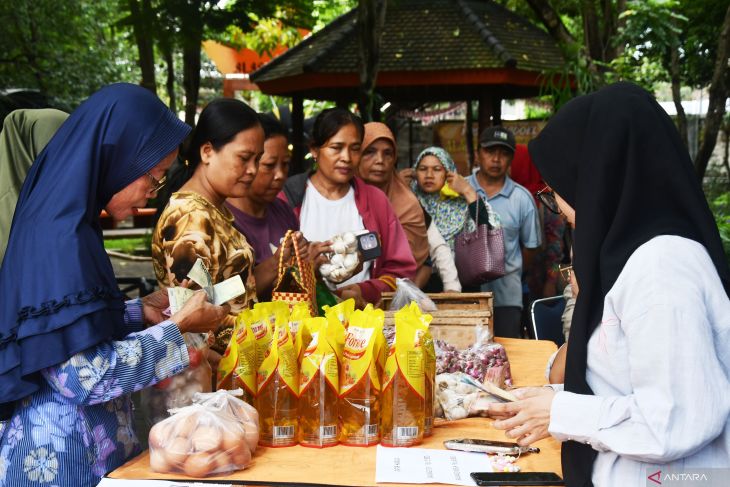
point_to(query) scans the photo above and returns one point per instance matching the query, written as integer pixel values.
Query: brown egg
(158, 461)
(223, 463)
(160, 435)
(252, 435)
(185, 426)
(206, 438)
(242, 457)
(231, 438)
(177, 452)
(198, 465)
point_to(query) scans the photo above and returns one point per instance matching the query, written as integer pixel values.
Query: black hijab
(615, 156)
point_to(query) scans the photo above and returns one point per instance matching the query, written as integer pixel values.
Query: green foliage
(720, 206)
(66, 49)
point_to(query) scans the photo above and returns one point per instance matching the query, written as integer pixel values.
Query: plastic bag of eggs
(178, 391)
(345, 258)
(200, 440)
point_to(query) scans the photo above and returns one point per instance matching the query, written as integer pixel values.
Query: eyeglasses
(565, 271)
(157, 184)
(547, 198)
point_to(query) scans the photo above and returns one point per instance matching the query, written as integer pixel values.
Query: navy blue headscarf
(58, 294)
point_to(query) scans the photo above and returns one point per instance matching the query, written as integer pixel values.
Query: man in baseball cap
(520, 225)
(497, 136)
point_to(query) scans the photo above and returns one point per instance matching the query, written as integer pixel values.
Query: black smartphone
(369, 246)
(517, 478)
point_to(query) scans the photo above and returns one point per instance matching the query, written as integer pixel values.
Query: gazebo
(430, 51)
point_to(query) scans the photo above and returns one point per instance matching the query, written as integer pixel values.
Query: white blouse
(659, 365)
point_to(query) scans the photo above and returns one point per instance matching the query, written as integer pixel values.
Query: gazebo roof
(428, 48)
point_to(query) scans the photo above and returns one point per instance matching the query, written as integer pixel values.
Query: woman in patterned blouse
(222, 161)
(71, 350)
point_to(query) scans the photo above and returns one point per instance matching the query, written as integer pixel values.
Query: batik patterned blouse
(191, 227)
(78, 426)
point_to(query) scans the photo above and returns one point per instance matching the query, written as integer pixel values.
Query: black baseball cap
(497, 135)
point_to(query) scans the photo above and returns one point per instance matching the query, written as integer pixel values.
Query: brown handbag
(296, 282)
(479, 255)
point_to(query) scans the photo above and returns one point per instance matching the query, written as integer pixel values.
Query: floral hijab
(449, 214)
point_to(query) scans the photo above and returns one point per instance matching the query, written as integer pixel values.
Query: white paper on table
(107, 482)
(425, 466)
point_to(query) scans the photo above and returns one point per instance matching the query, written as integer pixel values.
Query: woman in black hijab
(648, 366)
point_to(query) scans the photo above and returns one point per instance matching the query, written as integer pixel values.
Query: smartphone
(369, 246)
(517, 478)
(488, 446)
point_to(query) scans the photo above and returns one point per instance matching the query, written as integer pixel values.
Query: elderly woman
(222, 161)
(377, 167)
(24, 135)
(333, 200)
(68, 408)
(648, 361)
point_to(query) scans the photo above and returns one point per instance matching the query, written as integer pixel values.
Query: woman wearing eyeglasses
(71, 350)
(221, 162)
(648, 360)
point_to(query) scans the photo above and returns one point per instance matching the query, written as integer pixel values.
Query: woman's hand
(198, 315)
(460, 185)
(318, 251)
(153, 305)
(407, 175)
(528, 419)
(352, 291)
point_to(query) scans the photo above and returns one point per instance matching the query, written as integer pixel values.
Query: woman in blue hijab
(71, 349)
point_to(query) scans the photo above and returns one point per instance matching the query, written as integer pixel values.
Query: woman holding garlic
(332, 200)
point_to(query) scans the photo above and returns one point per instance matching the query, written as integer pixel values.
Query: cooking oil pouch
(359, 404)
(299, 315)
(318, 389)
(342, 311)
(229, 361)
(429, 366)
(404, 391)
(338, 333)
(244, 376)
(262, 332)
(278, 387)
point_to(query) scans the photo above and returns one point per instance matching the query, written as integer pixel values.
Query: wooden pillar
(468, 133)
(297, 126)
(496, 110)
(485, 112)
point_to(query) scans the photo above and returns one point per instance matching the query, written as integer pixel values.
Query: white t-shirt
(321, 219)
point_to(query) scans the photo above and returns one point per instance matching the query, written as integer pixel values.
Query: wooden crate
(460, 301)
(457, 302)
(458, 327)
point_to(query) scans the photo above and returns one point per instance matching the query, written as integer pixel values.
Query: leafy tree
(66, 49)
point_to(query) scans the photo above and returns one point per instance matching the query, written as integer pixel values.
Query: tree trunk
(718, 96)
(193, 26)
(552, 21)
(370, 20)
(591, 35)
(142, 35)
(677, 95)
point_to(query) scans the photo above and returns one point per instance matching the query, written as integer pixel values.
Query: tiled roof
(425, 35)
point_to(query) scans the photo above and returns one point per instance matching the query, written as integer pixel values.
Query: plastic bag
(177, 391)
(344, 260)
(459, 400)
(406, 292)
(205, 438)
(485, 360)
